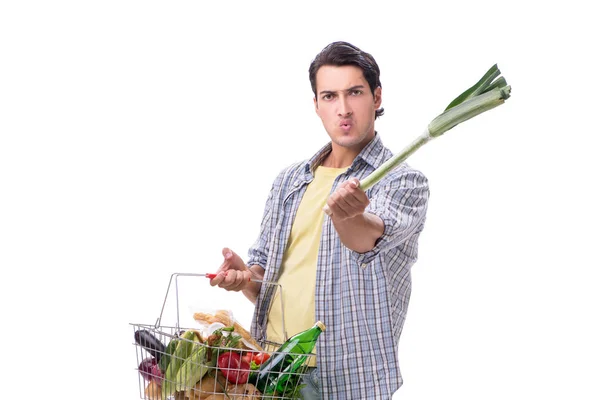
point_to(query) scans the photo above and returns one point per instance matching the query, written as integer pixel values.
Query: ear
(377, 97)
(316, 103)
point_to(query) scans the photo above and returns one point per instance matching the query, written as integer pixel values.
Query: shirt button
(363, 265)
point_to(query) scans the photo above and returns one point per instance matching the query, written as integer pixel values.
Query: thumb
(227, 253)
(232, 260)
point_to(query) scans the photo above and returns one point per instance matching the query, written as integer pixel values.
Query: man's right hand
(233, 274)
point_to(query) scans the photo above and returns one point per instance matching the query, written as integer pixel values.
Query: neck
(339, 157)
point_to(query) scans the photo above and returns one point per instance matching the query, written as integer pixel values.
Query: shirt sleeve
(257, 254)
(400, 200)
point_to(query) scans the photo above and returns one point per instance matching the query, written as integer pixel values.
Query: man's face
(346, 105)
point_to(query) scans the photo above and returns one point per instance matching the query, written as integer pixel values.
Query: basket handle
(176, 275)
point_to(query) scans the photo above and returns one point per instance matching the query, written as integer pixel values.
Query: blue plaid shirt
(361, 298)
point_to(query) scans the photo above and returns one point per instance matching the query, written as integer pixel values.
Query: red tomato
(260, 358)
(233, 367)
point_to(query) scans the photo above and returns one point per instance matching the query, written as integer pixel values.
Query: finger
(360, 196)
(227, 253)
(353, 209)
(218, 280)
(345, 204)
(351, 196)
(346, 197)
(235, 280)
(354, 183)
(355, 190)
(233, 261)
(349, 201)
(335, 207)
(237, 262)
(237, 286)
(350, 184)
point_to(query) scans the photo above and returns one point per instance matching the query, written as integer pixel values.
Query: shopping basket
(175, 363)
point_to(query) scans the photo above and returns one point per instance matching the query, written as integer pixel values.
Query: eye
(356, 92)
(327, 97)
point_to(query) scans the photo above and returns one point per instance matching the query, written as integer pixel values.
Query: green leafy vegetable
(489, 92)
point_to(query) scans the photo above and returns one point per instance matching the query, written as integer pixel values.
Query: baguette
(247, 338)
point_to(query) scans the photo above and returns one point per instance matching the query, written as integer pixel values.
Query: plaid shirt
(361, 298)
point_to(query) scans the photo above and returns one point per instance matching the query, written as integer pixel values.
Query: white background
(138, 138)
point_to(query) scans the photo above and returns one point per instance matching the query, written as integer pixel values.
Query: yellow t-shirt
(299, 266)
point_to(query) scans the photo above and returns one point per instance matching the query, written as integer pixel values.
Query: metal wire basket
(198, 375)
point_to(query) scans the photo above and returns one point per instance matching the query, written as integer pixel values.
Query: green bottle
(281, 372)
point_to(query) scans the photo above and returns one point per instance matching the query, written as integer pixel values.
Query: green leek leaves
(489, 92)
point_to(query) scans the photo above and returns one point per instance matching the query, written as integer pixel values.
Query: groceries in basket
(281, 372)
(222, 318)
(219, 360)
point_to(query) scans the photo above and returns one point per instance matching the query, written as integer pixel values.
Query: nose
(344, 109)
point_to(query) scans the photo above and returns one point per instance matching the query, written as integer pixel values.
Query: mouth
(346, 124)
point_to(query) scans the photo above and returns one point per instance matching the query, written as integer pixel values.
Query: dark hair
(343, 53)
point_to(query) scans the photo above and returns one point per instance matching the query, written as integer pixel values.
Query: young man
(349, 268)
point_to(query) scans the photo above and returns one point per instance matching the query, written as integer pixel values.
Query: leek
(489, 92)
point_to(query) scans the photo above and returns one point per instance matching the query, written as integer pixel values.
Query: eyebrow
(322, 92)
